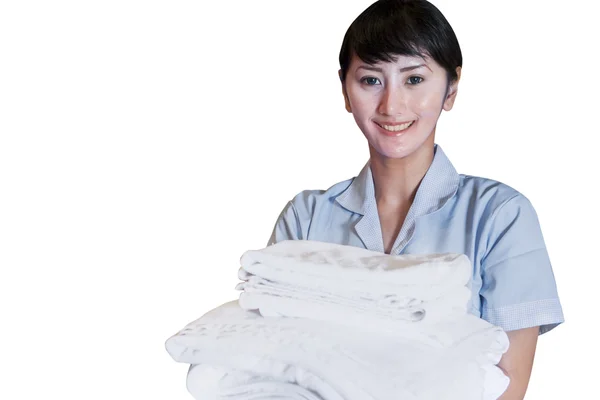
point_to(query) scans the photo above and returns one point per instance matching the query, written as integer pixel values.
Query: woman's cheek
(429, 106)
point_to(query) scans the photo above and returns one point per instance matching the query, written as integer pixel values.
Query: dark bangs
(389, 28)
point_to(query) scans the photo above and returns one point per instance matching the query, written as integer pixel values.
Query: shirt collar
(439, 184)
(437, 187)
(358, 195)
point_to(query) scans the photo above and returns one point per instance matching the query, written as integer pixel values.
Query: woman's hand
(517, 362)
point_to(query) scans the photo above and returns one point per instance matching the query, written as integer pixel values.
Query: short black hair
(389, 28)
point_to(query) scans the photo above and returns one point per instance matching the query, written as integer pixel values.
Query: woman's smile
(394, 129)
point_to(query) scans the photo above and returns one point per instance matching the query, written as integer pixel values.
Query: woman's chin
(391, 154)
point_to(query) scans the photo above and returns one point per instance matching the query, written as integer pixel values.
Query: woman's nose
(393, 101)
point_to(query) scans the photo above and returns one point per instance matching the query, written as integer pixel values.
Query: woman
(400, 65)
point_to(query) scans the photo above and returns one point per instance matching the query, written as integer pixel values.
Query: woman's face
(397, 104)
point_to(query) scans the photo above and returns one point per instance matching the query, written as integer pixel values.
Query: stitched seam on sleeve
(493, 221)
(547, 314)
(488, 267)
(551, 299)
(297, 218)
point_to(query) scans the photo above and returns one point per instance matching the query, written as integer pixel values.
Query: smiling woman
(145, 145)
(397, 104)
(400, 67)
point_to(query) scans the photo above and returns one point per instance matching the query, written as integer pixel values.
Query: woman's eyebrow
(404, 69)
(414, 67)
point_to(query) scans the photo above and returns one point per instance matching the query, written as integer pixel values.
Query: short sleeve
(287, 226)
(295, 219)
(518, 286)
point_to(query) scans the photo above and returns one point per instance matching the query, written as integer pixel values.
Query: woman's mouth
(395, 129)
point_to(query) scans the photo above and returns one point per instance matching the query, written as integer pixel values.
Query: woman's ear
(452, 90)
(346, 100)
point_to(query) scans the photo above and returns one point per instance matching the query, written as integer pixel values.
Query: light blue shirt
(513, 283)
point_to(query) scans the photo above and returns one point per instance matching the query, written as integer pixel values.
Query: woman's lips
(394, 129)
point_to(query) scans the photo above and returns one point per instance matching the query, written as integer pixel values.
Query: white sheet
(244, 356)
(356, 287)
(355, 268)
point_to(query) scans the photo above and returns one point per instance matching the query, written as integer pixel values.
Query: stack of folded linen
(320, 321)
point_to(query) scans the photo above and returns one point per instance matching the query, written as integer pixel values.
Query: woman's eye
(371, 81)
(413, 80)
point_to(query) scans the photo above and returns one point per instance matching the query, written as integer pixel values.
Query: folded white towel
(432, 333)
(343, 323)
(354, 268)
(397, 307)
(207, 382)
(243, 356)
(354, 286)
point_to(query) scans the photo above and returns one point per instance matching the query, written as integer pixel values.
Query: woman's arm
(517, 362)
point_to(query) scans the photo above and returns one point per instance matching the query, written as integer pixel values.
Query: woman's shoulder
(491, 193)
(299, 213)
(308, 199)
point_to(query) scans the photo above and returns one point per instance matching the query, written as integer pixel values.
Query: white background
(145, 145)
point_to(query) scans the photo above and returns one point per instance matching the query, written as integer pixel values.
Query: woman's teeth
(396, 128)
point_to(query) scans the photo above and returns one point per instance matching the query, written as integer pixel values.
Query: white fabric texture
(300, 262)
(356, 287)
(321, 321)
(239, 355)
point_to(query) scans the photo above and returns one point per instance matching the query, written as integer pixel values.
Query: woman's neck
(396, 180)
